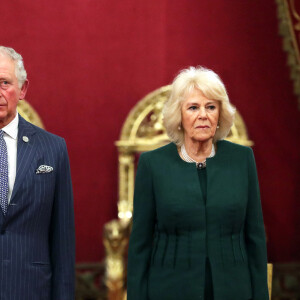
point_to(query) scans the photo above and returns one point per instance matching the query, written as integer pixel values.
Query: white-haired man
(37, 245)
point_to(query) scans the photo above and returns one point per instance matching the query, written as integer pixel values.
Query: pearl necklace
(199, 165)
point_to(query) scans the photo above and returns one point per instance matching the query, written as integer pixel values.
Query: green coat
(173, 232)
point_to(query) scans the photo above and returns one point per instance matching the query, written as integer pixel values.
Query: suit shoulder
(233, 147)
(164, 151)
(43, 133)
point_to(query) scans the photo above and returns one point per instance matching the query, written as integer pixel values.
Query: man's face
(10, 93)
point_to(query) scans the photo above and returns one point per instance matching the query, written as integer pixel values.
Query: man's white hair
(20, 71)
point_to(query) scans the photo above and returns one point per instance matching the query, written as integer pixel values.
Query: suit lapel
(25, 152)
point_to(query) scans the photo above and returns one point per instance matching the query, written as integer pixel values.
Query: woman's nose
(202, 113)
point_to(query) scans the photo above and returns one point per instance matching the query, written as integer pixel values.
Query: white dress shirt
(10, 138)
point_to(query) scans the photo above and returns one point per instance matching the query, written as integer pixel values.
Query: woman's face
(199, 117)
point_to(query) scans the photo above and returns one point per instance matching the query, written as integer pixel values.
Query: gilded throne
(142, 131)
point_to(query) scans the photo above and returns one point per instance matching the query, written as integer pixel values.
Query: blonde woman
(198, 230)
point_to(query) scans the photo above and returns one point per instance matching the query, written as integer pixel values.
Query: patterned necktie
(3, 174)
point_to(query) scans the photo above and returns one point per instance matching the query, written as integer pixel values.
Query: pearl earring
(179, 127)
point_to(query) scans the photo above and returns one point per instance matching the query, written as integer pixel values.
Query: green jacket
(173, 232)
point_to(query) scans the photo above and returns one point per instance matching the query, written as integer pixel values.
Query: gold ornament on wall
(289, 29)
(29, 113)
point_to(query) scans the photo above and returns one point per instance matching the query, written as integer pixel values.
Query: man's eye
(4, 84)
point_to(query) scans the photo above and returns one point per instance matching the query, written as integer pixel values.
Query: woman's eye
(211, 107)
(193, 107)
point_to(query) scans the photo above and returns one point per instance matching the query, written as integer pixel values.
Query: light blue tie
(3, 174)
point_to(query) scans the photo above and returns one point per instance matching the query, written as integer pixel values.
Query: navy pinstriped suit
(37, 243)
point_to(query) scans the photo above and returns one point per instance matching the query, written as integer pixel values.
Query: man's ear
(24, 89)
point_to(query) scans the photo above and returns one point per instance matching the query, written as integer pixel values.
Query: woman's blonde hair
(212, 87)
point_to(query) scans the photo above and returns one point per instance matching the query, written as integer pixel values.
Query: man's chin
(5, 118)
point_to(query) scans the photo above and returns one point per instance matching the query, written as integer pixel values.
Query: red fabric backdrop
(90, 61)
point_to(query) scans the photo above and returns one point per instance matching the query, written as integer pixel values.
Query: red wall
(90, 61)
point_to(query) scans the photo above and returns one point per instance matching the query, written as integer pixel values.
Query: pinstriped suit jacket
(37, 244)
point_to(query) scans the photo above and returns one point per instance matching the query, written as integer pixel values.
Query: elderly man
(36, 216)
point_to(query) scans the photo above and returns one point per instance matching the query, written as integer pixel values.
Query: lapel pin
(25, 139)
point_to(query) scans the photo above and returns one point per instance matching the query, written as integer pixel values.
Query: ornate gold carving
(143, 129)
(115, 238)
(289, 27)
(295, 15)
(29, 113)
(270, 277)
(126, 177)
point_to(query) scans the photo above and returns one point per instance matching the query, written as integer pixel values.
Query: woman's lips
(202, 126)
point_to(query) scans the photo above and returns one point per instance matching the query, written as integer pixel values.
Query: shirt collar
(11, 129)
